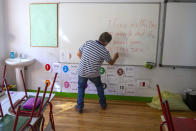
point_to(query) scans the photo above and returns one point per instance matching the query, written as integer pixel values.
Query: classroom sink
(19, 62)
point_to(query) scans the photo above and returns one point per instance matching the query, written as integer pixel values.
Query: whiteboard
(179, 46)
(134, 28)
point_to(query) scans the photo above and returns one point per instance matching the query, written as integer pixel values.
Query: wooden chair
(159, 94)
(44, 101)
(14, 106)
(174, 123)
(1, 111)
(2, 83)
(18, 123)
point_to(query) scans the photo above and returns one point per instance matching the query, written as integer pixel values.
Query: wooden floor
(119, 116)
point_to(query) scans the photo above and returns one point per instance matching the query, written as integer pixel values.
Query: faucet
(20, 55)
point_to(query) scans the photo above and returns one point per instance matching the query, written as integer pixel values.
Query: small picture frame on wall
(43, 24)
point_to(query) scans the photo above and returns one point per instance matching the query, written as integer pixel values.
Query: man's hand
(79, 54)
(116, 55)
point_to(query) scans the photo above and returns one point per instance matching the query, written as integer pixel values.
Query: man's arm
(79, 54)
(114, 59)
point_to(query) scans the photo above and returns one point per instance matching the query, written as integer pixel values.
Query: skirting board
(108, 97)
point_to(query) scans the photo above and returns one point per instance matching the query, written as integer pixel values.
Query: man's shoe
(78, 110)
(104, 107)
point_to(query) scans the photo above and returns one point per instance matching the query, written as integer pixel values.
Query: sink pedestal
(19, 64)
(19, 82)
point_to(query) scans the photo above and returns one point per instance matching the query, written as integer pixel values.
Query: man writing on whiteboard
(92, 54)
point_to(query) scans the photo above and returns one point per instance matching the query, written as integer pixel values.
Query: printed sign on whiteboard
(56, 68)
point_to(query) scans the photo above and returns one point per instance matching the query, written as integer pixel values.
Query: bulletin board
(134, 28)
(44, 25)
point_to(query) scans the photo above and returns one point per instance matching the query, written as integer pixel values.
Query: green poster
(43, 22)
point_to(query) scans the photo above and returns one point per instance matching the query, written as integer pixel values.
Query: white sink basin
(18, 62)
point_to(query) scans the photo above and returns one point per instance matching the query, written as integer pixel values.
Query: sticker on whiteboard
(66, 84)
(65, 69)
(102, 70)
(48, 81)
(120, 71)
(47, 67)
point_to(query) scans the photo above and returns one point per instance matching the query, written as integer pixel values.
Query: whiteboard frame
(163, 39)
(96, 2)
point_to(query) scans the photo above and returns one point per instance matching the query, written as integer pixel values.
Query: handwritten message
(132, 37)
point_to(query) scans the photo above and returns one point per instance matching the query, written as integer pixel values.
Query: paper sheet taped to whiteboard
(134, 28)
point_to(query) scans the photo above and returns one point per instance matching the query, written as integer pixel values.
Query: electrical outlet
(143, 83)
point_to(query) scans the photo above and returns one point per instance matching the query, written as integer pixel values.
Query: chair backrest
(24, 85)
(47, 101)
(3, 80)
(9, 96)
(167, 115)
(52, 86)
(15, 121)
(160, 98)
(165, 110)
(42, 101)
(32, 112)
(1, 111)
(26, 113)
(45, 89)
(54, 80)
(159, 93)
(43, 97)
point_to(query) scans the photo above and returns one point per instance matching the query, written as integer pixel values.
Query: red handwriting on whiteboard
(120, 34)
(114, 23)
(138, 23)
(118, 49)
(135, 42)
(118, 42)
(136, 50)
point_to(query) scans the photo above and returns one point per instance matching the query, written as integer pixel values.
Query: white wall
(1, 30)
(18, 39)
(3, 45)
(1, 35)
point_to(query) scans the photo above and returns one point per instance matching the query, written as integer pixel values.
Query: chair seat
(36, 109)
(22, 109)
(184, 124)
(7, 122)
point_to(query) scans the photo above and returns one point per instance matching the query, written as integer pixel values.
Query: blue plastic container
(12, 55)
